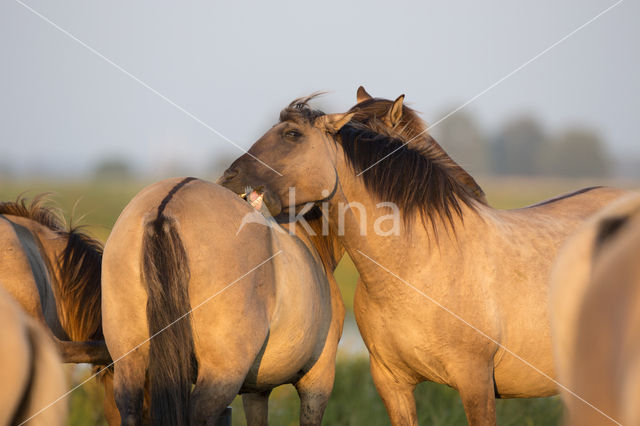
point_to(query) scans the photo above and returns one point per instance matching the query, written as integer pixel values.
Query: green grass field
(354, 400)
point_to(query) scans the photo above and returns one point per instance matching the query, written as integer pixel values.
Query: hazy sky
(235, 65)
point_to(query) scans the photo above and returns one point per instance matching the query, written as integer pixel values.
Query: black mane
(417, 179)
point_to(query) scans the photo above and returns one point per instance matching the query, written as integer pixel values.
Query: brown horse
(457, 293)
(29, 370)
(195, 291)
(596, 317)
(53, 272)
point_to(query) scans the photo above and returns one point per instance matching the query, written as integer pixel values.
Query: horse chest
(418, 331)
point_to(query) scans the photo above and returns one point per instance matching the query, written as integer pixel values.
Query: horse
(53, 272)
(451, 291)
(29, 368)
(595, 313)
(198, 287)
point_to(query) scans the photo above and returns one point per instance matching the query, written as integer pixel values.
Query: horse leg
(224, 360)
(128, 384)
(110, 409)
(477, 392)
(397, 395)
(314, 395)
(315, 386)
(313, 402)
(256, 408)
(213, 392)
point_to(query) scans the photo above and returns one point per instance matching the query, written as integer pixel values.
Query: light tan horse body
(452, 296)
(29, 370)
(54, 274)
(264, 312)
(596, 317)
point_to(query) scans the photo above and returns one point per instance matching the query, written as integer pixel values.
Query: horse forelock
(417, 178)
(300, 111)
(78, 267)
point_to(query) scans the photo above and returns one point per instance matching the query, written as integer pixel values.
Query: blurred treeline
(524, 146)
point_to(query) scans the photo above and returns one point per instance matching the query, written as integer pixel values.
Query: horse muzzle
(255, 193)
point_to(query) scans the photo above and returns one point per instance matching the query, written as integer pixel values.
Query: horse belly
(515, 379)
(295, 341)
(285, 359)
(524, 364)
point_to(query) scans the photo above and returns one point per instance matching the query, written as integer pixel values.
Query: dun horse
(53, 272)
(29, 370)
(190, 295)
(596, 317)
(459, 295)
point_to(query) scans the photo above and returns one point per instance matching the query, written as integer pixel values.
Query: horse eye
(292, 134)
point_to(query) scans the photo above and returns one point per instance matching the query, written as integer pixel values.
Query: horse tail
(172, 363)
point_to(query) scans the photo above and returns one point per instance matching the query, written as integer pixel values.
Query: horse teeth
(257, 201)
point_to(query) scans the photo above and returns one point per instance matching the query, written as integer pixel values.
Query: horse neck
(436, 239)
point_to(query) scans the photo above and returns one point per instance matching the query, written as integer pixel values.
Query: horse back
(206, 217)
(577, 204)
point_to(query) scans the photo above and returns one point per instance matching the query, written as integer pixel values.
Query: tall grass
(354, 402)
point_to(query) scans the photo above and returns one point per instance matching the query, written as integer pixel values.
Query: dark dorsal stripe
(40, 274)
(169, 196)
(562, 197)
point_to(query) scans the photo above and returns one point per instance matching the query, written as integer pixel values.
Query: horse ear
(362, 95)
(394, 114)
(334, 122)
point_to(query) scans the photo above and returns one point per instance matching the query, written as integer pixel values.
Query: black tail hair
(172, 363)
